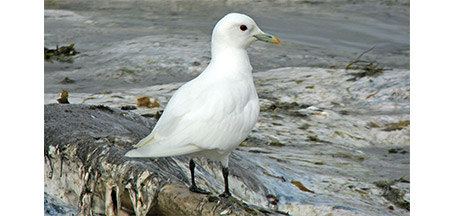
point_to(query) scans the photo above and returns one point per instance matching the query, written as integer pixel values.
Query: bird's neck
(230, 60)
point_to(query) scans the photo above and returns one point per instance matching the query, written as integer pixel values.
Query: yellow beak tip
(277, 41)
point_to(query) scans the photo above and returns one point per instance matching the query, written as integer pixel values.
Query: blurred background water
(128, 43)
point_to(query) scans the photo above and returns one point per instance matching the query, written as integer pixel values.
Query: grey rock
(85, 167)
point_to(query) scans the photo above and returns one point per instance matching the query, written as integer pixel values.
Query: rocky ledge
(85, 167)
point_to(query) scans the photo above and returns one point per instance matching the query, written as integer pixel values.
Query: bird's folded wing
(175, 129)
(194, 120)
(167, 125)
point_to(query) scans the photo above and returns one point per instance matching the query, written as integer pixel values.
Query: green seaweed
(128, 107)
(253, 141)
(312, 162)
(396, 125)
(392, 126)
(304, 126)
(372, 95)
(300, 186)
(344, 112)
(61, 54)
(67, 80)
(342, 134)
(393, 194)
(314, 138)
(348, 156)
(372, 125)
(276, 143)
(101, 107)
(286, 108)
(366, 68)
(278, 106)
(396, 151)
(274, 176)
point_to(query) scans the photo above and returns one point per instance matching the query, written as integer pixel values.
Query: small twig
(361, 54)
(358, 58)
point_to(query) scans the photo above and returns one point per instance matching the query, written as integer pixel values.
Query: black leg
(192, 165)
(193, 187)
(226, 182)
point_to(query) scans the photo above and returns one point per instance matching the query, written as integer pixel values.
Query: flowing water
(141, 43)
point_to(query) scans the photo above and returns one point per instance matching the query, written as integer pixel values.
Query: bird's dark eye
(243, 27)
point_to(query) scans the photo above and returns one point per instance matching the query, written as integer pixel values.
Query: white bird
(212, 114)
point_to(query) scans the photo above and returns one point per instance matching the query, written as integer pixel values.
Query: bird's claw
(195, 189)
(226, 194)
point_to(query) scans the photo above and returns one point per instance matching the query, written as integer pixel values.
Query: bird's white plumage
(213, 113)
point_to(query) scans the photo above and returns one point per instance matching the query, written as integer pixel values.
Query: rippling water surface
(127, 44)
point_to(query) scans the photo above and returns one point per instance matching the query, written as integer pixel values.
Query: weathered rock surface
(85, 167)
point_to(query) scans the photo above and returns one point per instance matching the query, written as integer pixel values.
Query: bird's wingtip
(133, 153)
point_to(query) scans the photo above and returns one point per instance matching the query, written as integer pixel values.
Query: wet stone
(84, 158)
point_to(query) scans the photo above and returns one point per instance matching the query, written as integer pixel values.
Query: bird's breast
(223, 113)
(239, 111)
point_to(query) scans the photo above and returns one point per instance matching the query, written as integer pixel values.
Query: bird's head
(239, 30)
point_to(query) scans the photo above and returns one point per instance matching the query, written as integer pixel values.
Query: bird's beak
(267, 38)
